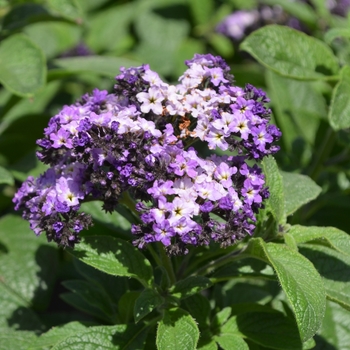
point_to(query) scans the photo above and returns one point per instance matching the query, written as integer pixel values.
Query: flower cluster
(140, 139)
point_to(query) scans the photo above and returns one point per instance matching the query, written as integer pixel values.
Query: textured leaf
(298, 107)
(115, 257)
(339, 112)
(291, 53)
(335, 330)
(105, 337)
(104, 65)
(189, 286)
(334, 267)
(176, 331)
(275, 184)
(330, 236)
(19, 340)
(57, 334)
(146, 303)
(6, 177)
(22, 65)
(298, 190)
(300, 282)
(231, 342)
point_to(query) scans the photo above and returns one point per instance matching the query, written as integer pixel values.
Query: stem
(208, 268)
(166, 262)
(322, 154)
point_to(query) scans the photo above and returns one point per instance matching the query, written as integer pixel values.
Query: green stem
(322, 154)
(208, 268)
(166, 262)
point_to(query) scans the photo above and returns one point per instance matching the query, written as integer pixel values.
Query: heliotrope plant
(139, 139)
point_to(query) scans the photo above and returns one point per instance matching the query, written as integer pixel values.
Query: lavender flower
(138, 139)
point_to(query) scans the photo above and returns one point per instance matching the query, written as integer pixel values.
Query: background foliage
(287, 288)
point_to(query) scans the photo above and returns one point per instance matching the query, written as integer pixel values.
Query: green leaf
(160, 29)
(19, 340)
(57, 334)
(291, 53)
(115, 257)
(334, 267)
(126, 305)
(54, 37)
(6, 177)
(271, 329)
(177, 330)
(335, 330)
(298, 107)
(105, 337)
(146, 303)
(22, 65)
(202, 10)
(113, 23)
(28, 265)
(339, 112)
(104, 65)
(189, 286)
(199, 308)
(93, 295)
(330, 236)
(299, 280)
(298, 190)
(336, 33)
(274, 182)
(66, 8)
(231, 342)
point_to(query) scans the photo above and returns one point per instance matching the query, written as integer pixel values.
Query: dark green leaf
(177, 330)
(29, 264)
(300, 282)
(330, 236)
(93, 295)
(271, 329)
(298, 190)
(115, 257)
(57, 334)
(189, 286)
(275, 184)
(6, 177)
(22, 65)
(334, 267)
(146, 303)
(291, 53)
(339, 112)
(199, 308)
(104, 65)
(105, 337)
(126, 306)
